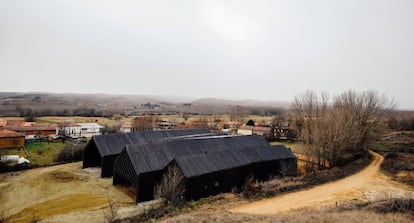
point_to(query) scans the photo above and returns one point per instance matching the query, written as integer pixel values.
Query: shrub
(112, 213)
(70, 153)
(171, 186)
(249, 188)
(4, 218)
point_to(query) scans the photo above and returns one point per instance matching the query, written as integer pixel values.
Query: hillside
(52, 104)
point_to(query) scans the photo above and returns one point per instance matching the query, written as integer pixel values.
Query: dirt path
(365, 185)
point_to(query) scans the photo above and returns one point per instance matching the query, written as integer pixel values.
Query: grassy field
(79, 119)
(40, 153)
(296, 147)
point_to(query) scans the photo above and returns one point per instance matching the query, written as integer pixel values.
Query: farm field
(39, 153)
(296, 147)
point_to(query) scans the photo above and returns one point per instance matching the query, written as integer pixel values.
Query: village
(230, 155)
(145, 158)
(18, 134)
(206, 111)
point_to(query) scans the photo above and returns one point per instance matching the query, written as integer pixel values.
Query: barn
(210, 165)
(10, 139)
(103, 149)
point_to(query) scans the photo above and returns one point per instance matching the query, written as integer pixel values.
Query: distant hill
(67, 104)
(243, 103)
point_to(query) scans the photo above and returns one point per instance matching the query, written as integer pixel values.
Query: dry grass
(400, 167)
(353, 216)
(59, 206)
(80, 119)
(55, 191)
(296, 147)
(40, 153)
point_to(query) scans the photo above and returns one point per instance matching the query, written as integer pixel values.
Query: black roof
(220, 151)
(114, 143)
(199, 164)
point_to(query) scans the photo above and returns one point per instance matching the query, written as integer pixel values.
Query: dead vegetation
(214, 209)
(171, 186)
(63, 176)
(47, 193)
(350, 123)
(398, 149)
(329, 216)
(383, 206)
(252, 190)
(400, 167)
(111, 213)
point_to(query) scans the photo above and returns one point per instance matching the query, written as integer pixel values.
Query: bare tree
(352, 122)
(171, 185)
(111, 214)
(201, 122)
(143, 123)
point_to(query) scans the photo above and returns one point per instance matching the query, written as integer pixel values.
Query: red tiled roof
(6, 133)
(246, 127)
(126, 125)
(3, 123)
(32, 128)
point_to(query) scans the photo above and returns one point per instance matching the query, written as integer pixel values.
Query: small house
(90, 129)
(68, 129)
(32, 130)
(74, 130)
(126, 128)
(10, 139)
(255, 130)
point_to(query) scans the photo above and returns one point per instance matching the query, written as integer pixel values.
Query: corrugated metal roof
(205, 154)
(32, 128)
(195, 165)
(114, 143)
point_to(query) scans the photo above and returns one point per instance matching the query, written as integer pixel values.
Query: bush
(70, 153)
(249, 188)
(4, 218)
(112, 213)
(171, 186)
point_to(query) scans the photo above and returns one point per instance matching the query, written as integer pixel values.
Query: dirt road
(359, 186)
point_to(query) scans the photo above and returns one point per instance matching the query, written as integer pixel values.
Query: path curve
(323, 195)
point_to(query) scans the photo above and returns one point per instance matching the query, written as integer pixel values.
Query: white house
(90, 129)
(74, 130)
(68, 128)
(126, 128)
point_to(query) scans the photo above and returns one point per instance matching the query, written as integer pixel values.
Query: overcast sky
(265, 50)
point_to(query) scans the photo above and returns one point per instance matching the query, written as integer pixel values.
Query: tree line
(352, 122)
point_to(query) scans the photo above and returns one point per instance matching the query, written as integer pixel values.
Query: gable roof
(195, 165)
(90, 125)
(114, 143)
(152, 157)
(6, 133)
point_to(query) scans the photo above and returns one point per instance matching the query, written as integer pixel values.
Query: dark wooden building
(210, 165)
(103, 149)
